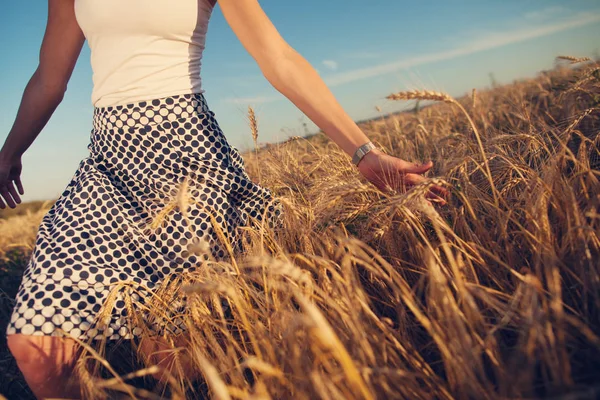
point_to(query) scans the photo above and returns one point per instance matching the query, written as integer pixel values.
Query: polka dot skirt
(158, 175)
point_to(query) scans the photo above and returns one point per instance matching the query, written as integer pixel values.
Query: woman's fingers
(436, 193)
(14, 193)
(414, 177)
(2, 202)
(399, 176)
(440, 191)
(435, 198)
(19, 185)
(7, 198)
(417, 169)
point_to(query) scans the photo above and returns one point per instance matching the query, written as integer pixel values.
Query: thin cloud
(488, 42)
(545, 13)
(332, 65)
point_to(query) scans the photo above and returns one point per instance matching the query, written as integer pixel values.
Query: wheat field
(371, 295)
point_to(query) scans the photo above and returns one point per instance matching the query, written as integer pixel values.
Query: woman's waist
(144, 114)
(178, 129)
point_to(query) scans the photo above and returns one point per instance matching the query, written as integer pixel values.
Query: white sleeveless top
(144, 49)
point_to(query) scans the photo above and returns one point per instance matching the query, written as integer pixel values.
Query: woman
(152, 131)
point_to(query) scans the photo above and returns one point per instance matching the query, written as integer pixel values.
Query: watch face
(362, 151)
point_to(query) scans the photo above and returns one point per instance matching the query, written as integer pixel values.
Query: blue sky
(363, 50)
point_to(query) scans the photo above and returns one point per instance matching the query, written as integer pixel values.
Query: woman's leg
(159, 352)
(47, 363)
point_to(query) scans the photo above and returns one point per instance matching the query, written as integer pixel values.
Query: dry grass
(17, 232)
(366, 295)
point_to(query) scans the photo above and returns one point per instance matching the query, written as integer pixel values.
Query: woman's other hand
(391, 173)
(61, 45)
(10, 177)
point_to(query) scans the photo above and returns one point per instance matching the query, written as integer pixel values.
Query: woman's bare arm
(296, 79)
(290, 73)
(59, 51)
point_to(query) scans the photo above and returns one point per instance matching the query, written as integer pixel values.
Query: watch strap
(361, 152)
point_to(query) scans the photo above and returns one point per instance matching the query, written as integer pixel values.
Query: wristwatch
(361, 152)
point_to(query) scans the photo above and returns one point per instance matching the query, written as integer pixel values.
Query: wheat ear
(573, 60)
(254, 130)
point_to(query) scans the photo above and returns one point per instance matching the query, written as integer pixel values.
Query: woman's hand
(387, 172)
(10, 175)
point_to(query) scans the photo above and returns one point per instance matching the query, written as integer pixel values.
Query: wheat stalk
(218, 387)
(254, 130)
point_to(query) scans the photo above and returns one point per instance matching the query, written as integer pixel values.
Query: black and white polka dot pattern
(100, 232)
